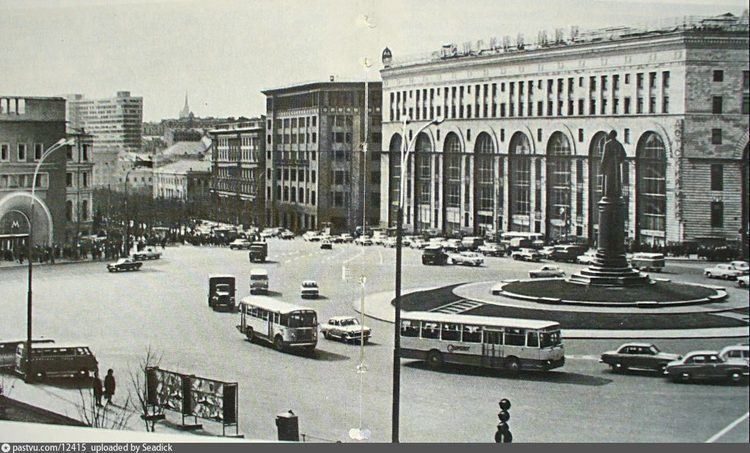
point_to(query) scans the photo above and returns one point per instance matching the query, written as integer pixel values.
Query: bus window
(276, 318)
(301, 319)
(451, 332)
(430, 329)
(263, 314)
(410, 328)
(515, 337)
(472, 334)
(493, 337)
(549, 339)
(532, 340)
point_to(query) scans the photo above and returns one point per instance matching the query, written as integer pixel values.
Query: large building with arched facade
(524, 128)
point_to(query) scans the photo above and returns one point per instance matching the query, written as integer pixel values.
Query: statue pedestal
(610, 267)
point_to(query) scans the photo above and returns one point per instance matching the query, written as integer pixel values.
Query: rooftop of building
(184, 166)
(241, 124)
(332, 83)
(727, 24)
(198, 148)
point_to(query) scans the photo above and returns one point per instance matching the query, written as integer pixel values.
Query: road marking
(731, 426)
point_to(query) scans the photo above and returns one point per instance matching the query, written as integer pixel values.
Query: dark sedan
(124, 264)
(643, 356)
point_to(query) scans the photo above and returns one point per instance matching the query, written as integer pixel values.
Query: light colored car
(586, 258)
(311, 236)
(526, 255)
(417, 243)
(309, 289)
(363, 240)
(466, 258)
(451, 245)
(725, 271)
(148, 253)
(741, 266)
(743, 281)
(287, 235)
(346, 328)
(548, 271)
(707, 365)
(546, 251)
(346, 238)
(391, 242)
(491, 249)
(239, 244)
(736, 351)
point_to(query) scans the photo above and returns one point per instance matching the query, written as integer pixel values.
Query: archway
(452, 184)
(595, 183)
(394, 177)
(519, 171)
(651, 189)
(484, 183)
(559, 209)
(42, 219)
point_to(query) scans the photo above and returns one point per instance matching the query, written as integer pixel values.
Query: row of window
(23, 181)
(471, 334)
(292, 195)
(85, 210)
(84, 181)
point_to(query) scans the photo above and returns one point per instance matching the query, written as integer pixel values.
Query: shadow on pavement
(270, 293)
(557, 377)
(67, 383)
(318, 354)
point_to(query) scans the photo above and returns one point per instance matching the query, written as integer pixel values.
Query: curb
(56, 263)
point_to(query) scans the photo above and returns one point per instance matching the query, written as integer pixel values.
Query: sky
(224, 52)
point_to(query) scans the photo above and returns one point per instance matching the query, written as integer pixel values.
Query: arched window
(452, 170)
(596, 150)
(85, 210)
(69, 210)
(558, 185)
(484, 151)
(394, 180)
(423, 158)
(651, 184)
(519, 162)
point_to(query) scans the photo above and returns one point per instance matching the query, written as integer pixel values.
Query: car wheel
(735, 376)
(741, 284)
(513, 366)
(326, 335)
(434, 359)
(249, 333)
(708, 274)
(278, 343)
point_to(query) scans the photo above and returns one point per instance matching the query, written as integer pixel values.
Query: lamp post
(406, 148)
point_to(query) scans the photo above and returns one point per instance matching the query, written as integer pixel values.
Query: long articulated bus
(507, 343)
(281, 324)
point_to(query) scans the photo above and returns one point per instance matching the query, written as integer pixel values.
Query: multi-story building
(316, 171)
(183, 180)
(116, 124)
(29, 126)
(79, 188)
(525, 126)
(237, 164)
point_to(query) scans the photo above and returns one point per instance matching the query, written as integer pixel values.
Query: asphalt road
(163, 307)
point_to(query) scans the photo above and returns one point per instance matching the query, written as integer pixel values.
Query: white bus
(512, 344)
(282, 324)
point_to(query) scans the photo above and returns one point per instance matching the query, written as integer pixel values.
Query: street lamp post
(406, 146)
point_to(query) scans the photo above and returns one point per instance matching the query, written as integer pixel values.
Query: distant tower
(185, 113)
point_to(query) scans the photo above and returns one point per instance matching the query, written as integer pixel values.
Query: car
(452, 245)
(391, 242)
(743, 281)
(363, 240)
(124, 264)
(309, 288)
(148, 253)
(311, 236)
(736, 351)
(643, 356)
(326, 245)
(547, 251)
(547, 272)
(568, 253)
(471, 243)
(491, 249)
(652, 262)
(269, 233)
(336, 240)
(741, 266)
(417, 243)
(725, 271)
(586, 258)
(239, 244)
(707, 365)
(526, 255)
(434, 254)
(286, 235)
(466, 258)
(346, 238)
(346, 328)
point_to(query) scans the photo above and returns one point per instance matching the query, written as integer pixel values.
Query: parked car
(363, 240)
(526, 255)
(148, 253)
(418, 243)
(707, 365)
(391, 242)
(269, 232)
(644, 356)
(239, 244)
(466, 258)
(346, 238)
(124, 264)
(652, 262)
(586, 258)
(491, 249)
(736, 351)
(471, 243)
(309, 288)
(743, 281)
(546, 251)
(311, 236)
(548, 271)
(452, 245)
(725, 271)
(741, 266)
(346, 328)
(326, 245)
(287, 235)
(434, 254)
(568, 253)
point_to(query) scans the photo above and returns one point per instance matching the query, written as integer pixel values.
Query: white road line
(716, 436)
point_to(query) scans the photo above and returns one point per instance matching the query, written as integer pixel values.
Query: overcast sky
(223, 52)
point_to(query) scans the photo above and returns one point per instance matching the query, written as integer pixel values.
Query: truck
(434, 254)
(258, 252)
(221, 292)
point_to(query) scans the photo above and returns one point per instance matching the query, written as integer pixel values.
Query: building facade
(116, 124)
(525, 127)
(317, 174)
(79, 187)
(237, 165)
(176, 181)
(28, 127)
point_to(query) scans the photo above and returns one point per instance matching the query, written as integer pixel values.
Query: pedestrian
(97, 387)
(109, 385)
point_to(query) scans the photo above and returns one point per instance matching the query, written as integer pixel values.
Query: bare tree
(107, 417)
(149, 413)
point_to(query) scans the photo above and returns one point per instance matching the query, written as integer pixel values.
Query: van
(258, 281)
(56, 360)
(652, 262)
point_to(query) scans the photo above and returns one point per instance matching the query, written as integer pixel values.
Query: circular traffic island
(655, 294)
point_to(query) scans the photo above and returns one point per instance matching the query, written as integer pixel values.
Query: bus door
(492, 348)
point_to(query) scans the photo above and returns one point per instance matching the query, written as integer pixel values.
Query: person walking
(97, 388)
(109, 385)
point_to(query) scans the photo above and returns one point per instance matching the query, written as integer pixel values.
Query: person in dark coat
(97, 387)
(109, 385)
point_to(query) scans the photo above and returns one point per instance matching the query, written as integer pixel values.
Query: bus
(56, 360)
(284, 325)
(504, 343)
(8, 350)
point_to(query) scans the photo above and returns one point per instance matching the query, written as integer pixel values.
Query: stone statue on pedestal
(613, 158)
